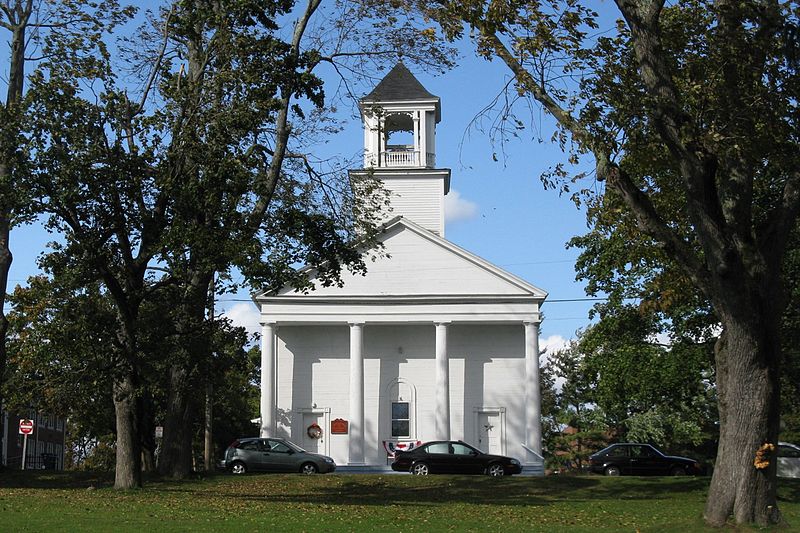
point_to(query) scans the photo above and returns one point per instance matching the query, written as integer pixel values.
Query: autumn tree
(692, 103)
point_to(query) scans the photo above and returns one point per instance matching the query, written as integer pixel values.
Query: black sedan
(274, 455)
(641, 460)
(453, 457)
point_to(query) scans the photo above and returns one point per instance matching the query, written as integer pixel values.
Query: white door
(489, 433)
(309, 443)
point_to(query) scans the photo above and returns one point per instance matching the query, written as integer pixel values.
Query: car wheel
(420, 469)
(495, 470)
(612, 471)
(309, 468)
(677, 471)
(238, 468)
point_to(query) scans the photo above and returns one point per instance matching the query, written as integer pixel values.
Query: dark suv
(641, 460)
(274, 455)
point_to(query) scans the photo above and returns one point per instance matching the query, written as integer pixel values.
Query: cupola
(400, 118)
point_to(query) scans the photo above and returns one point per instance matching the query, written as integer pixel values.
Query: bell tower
(400, 118)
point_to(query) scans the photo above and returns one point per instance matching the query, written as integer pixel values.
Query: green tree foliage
(689, 113)
(622, 263)
(59, 344)
(617, 383)
(577, 426)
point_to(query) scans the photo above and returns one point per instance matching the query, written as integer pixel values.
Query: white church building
(434, 343)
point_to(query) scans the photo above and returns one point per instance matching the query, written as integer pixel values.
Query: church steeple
(400, 118)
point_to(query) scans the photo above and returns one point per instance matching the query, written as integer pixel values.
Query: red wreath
(314, 431)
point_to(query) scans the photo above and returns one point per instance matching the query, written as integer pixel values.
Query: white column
(442, 383)
(423, 138)
(356, 449)
(268, 379)
(533, 393)
(418, 148)
(381, 140)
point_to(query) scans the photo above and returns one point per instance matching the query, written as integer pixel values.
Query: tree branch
(649, 219)
(283, 130)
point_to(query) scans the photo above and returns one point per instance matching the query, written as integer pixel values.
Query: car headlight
(514, 462)
(328, 460)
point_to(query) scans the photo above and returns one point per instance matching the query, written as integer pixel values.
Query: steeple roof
(399, 84)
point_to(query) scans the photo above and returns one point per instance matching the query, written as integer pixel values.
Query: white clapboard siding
(416, 263)
(420, 199)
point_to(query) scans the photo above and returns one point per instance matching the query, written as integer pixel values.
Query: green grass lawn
(52, 502)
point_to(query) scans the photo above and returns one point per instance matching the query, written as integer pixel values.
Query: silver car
(788, 460)
(274, 455)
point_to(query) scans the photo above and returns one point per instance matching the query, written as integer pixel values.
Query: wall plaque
(339, 427)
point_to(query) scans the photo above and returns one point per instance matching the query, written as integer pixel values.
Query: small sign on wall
(339, 427)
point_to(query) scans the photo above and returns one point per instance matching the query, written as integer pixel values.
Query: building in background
(45, 447)
(433, 343)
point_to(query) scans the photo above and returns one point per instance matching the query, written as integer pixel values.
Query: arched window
(401, 409)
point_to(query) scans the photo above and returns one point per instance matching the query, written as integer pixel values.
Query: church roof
(399, 84)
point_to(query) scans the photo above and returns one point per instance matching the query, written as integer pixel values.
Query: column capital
(534, 320)
(352, 323)
(268, 323)
(442, 322)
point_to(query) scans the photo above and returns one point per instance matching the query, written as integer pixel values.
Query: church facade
(434, 343)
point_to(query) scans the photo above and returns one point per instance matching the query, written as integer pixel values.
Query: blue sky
(497, 209)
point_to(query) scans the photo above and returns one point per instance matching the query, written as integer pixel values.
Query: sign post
(25, 428)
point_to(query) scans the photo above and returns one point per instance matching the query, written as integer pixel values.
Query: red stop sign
(25, 426)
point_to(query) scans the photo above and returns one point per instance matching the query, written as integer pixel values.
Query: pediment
(416, 263)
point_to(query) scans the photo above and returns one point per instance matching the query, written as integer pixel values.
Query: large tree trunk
(183, 402)
(747, 359)
(175, 460)
(128, 474)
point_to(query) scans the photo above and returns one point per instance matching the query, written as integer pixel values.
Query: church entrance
(490, 430)
(314, 430)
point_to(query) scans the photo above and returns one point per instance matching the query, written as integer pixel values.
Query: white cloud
(552, 344)
(245, 315)
(458, 208)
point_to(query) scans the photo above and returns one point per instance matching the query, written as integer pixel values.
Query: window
(439, 447)
(788, 451)
(400, 419)
(618, 451)
(460, 449)
(279, 447)
(251, 445)
(641, 451)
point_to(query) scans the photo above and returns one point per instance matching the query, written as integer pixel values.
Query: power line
(548, 301)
